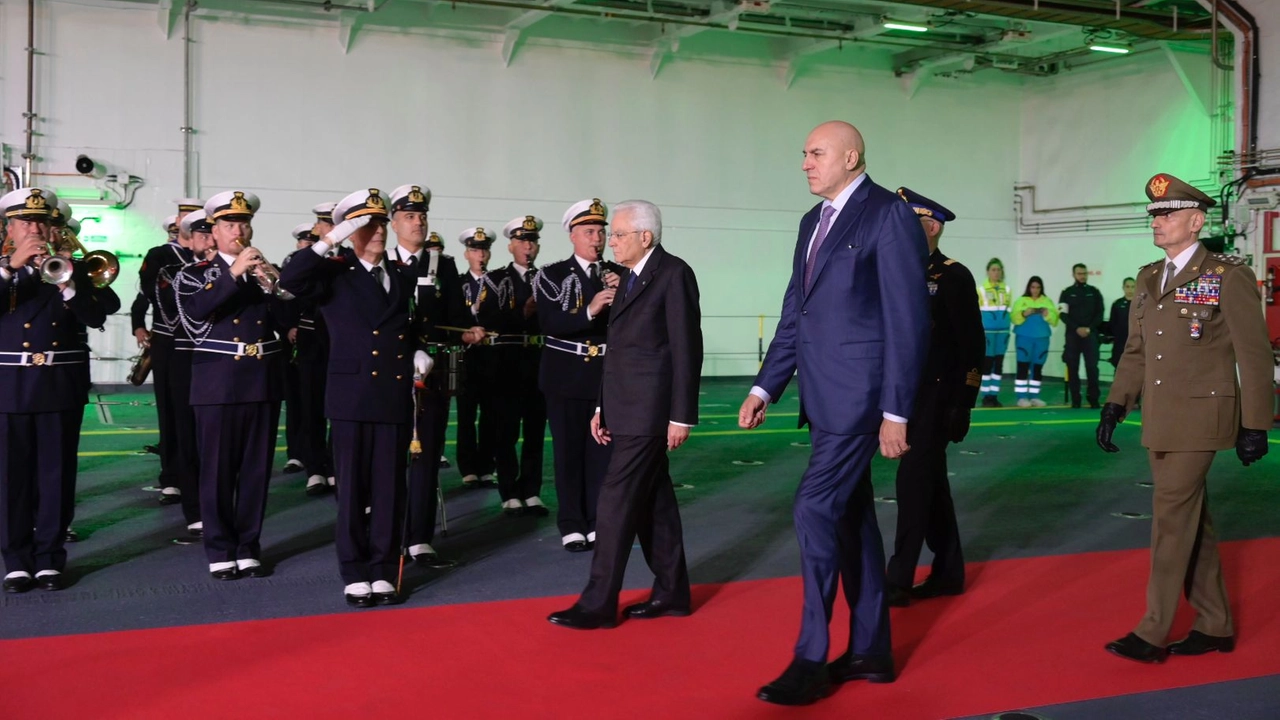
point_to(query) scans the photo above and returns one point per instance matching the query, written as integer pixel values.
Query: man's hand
(676, 435)
(958, 423)
(751, 415)
(474, 336)
(247, 260)
(1082, 332)
(345, 229)
(603, 299)
(531, 306)
(893, 439)
(25, 250)
(1251, 445)
(422, 363)
(611, 279)
(601, 433)
(142, 336)
(293, 336)
(1112, 414)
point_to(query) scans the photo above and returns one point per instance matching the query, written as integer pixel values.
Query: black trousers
(236, 444)
(71, 463)
(370, 462)
(293, 422)
(580, 462)
(523, 418)
(478, 412)
(315, 449)
(1076, 347)
(637, 499)
(162, 354)
(424, 469)
(33, 455)
(926, 513)
(186, 457)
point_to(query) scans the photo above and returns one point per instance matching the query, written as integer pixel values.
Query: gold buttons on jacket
(375, 353)
(26, 325)
(374, 373)
(375, 332)
(399, 377)
(1159, 357)
(1157, 382)
(55, 343)
(1160, 306)
(400, 357)
(399, 337)
(26, 344)
(235, 339)
(236, 321)
(1159, 332)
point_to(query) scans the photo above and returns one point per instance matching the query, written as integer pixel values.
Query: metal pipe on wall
(186, 100)
(30, 115)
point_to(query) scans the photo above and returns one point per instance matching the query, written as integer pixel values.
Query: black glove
(1251, 445)
(1112, 414)
(957, 423)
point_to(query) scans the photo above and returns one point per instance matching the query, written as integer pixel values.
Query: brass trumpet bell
(56, 270)
(103, 267)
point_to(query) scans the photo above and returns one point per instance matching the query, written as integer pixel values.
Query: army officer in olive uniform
(1197, 318)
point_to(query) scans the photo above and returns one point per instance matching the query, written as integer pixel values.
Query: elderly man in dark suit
(648, 402)
(855, 326)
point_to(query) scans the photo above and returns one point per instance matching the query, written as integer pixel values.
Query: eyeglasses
(614, 235)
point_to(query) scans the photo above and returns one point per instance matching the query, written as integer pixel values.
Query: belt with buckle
(158, 329)
(225, 347)
(41, 359)
(586, 349)
(516, 340)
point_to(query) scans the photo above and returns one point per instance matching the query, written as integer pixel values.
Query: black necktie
(376, 272)
(413, 261)
(593, 274)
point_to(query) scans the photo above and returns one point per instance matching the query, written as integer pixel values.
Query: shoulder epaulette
(1228, 259)
(1151, 264)
(949, 261)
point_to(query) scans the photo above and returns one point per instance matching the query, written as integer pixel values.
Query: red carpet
(1028, 633)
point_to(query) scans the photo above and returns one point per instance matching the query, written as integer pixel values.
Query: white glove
(346, 229)
(422, 363)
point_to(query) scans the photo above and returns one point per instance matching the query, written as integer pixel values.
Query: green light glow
(1118, 50)
(70, 194)
(904, 26)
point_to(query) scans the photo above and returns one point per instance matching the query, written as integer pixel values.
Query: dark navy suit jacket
(372, 339)
(859, 336)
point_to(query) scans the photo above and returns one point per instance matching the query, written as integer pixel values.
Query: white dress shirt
(1179, 262)
(838, 203)
(386, 276)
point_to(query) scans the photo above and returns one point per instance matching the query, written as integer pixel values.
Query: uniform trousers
(637, 499)
(424, 469)
(236, 444)
(162, 354)
(314, 447)
(34, 448)
(1184, 549)
(835, 518)
(580, 462)
(369, 459)
(926, 513)
(186, 456)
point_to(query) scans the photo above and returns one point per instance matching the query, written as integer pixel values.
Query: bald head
(834, 156)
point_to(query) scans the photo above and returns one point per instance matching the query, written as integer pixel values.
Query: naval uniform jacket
(957, 341)
(241, 359)
(1185, 344)
(43, 363)
(564, 292)
(373, 339)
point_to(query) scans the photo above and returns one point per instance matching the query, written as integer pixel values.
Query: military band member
(437, 300)
(510, 311)
(948, 390)
(293, 387)
(1199, 357)
(435, 242)
(313, 368)
(238, 355)
(41, 403)
(155, 276)
(477, 413)
(573, 311)
(365, 301)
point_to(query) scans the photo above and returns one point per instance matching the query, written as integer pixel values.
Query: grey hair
(646, 215)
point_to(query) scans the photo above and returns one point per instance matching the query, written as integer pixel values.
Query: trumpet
(102, 267)
(267, 276)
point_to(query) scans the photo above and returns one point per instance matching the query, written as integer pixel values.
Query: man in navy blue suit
(855, 327)
(365, 302)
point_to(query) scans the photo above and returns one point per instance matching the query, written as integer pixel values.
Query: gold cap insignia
(435, 237)
(1159, 186)
(416, 196)
(530, 223)
(596, 207)
(36, 201)
(480, 236)
(239, 204)
(375, 200)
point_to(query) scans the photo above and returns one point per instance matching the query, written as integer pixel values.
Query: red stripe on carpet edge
(1029, 632)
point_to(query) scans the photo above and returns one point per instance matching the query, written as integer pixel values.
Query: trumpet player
(155, 277)
(365, 300)
(437, 301)
(232, 322)
(40, 401)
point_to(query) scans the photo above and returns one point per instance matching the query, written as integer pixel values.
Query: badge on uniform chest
(1204, 290)
(1197, 329)
(933, 288)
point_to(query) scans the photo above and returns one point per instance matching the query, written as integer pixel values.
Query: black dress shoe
(360, 601)
(897, 597)
(538, 510)
(931, 588)
(19, 584)
(577, 546)
(153, 449)
(391, 598)
(1197, 643)
(317, 490)
(655, 609)
(291, 467)
(72, 536)
(444, 463)
(803, 682)
(227, 574)
(579, 619)
(1135, 648)
(257, 571)
(872, 669)
(166, 499)
(433, 560)
(50, 582)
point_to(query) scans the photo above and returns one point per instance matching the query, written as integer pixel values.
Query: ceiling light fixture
(889, 25)
(1114, 49)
